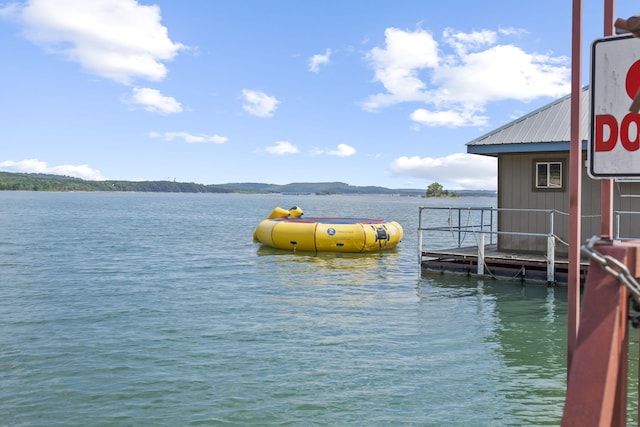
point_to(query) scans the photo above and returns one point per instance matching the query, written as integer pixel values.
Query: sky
(366, 92)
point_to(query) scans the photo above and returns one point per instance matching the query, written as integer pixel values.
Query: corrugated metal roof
(546, 129)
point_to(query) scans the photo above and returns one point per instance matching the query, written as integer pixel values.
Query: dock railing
(478, 227)
(619, 225)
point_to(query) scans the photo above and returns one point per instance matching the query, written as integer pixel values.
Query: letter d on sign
(610, 122)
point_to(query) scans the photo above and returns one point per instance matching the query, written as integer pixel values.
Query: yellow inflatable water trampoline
(286, 229)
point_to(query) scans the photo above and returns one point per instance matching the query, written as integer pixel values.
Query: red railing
(597, 376)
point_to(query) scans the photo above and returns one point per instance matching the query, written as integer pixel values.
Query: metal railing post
(491, 225)
(551, 251)
(551, 259)
(481, 254)
(420, 210)
(459, 227)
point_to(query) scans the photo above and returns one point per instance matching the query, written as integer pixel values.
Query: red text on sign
(627, 131)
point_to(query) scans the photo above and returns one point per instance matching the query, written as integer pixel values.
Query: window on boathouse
(549, 175)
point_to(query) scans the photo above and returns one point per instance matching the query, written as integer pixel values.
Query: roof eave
(496, 149)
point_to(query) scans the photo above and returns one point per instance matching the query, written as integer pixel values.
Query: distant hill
(44, 182)
(321, 188)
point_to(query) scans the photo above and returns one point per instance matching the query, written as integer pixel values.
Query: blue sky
(361, 91)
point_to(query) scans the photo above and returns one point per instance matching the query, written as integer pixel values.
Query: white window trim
(548, 167)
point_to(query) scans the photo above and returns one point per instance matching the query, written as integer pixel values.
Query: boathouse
(529, 229)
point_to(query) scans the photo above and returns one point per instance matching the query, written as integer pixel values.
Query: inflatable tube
(286, 229)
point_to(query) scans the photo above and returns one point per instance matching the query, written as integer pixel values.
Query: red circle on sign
(633, 80)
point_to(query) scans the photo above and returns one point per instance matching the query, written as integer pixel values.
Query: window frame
(548, 163)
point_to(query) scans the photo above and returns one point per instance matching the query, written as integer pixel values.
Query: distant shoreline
(12, 181)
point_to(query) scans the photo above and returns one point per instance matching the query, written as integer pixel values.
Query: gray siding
(517, 191)
(628, 200)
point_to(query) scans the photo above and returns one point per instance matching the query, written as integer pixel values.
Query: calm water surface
(159, 309)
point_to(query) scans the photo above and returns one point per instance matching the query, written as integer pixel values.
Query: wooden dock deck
(498, 264)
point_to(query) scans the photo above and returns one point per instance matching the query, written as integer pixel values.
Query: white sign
(614, 146)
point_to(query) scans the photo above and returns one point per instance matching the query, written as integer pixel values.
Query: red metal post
(575, 182)
(609, 8)
(597, 384)
(598, 358)
(606, 185)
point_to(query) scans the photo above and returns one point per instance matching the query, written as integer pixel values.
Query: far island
(436, 190)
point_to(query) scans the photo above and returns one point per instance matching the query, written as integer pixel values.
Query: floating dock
(498, 265)
(468, 241)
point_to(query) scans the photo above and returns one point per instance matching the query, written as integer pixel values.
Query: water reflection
(434, 285)
(527, 325)
(551, 305)
(336, 268)
(524, 328)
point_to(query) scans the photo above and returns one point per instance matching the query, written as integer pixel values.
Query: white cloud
(189, 138)
(37, 166)
(318, 59)
(282, 148)
(448, 118)
(464, 42)
(397, 66)
(468, 171)
(343, 150)
(455, 84)
(120, 40)
(258, 103)
(501, 73)
(153, 101)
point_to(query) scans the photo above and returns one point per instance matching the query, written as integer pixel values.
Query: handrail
(618, 215)
(482, 221)
(490, 228)
(478, 227)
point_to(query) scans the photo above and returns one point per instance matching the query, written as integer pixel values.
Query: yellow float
(286, 229)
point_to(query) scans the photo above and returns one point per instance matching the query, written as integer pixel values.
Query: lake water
(159, 309)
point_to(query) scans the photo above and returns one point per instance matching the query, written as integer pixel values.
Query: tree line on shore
(41, 182)
(11, 181)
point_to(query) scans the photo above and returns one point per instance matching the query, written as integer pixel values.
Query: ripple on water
(150, 309)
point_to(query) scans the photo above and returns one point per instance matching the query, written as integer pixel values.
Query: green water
(159, 309)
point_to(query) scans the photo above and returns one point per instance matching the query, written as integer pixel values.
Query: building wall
(516, 190)
(628, 200)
